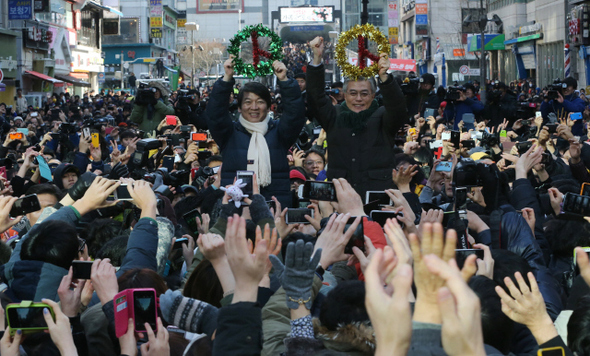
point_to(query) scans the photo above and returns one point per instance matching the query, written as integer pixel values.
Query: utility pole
(122, 72)
(365, 12)
(482, 58)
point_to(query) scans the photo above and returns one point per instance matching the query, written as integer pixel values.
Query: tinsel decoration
(259, 66)
(360, 32)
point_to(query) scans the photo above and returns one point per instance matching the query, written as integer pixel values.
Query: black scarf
(356, 121)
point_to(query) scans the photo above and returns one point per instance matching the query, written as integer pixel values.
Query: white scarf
(258, 153)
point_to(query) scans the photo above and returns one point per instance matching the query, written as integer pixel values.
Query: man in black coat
(501, 104)
(425, 98)
(360, 134)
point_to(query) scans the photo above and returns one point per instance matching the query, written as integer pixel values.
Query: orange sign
(458, 52)
(421, 9)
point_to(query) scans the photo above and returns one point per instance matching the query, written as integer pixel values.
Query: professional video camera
(330, 91)
(526, 109)
(454, 93)
(202, 174)
(184, 100)
(555, 89)
(487, 139)
(96, 123)
(141, 155)
(145, 95)
(411, 86)
(67, 128)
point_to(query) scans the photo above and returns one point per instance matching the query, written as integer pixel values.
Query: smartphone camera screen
(460, 198)
(358, 237)
(123, 193)
(25, 205)
(26, 318)
(81, 269)
(144, 309)
(248, 178)
(297, 216)
(191, 220)
(380, 197)
(323, 191)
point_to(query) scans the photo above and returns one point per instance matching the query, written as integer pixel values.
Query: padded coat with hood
(233, 139)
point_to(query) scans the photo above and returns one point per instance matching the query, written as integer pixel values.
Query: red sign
(421, 9)
(405, 65)
(131, 54)
(1, 75)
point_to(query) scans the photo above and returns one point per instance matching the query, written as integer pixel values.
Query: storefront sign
(37, 37)
(421, 17)
(156, 33)
(20, 9)
(458, 52)
(169, 20)
(91, 62)
(393, 21)
(180, 22)
(306, 14)
(155, 22)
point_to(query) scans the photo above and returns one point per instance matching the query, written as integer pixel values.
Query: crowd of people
(160, 223)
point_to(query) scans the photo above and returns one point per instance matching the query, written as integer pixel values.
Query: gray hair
(362, 79)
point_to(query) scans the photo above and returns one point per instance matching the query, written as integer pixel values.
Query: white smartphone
(86, 132)
(248, 178)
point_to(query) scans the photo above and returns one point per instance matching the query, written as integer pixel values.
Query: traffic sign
(464, 70)
(1, 75)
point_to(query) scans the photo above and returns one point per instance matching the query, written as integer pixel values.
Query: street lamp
(333, 35)
(192, 26)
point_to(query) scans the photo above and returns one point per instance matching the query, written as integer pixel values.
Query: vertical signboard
(421, 17)
(393, 21)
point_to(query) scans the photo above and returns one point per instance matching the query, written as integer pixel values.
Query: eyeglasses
(82, 244)
(311, 163)
(363, 94)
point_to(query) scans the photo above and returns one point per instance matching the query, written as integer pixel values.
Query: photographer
(151, 106)
(562, 102)
(466, 104)
(189, 110)
(501, 104)
(424, 98)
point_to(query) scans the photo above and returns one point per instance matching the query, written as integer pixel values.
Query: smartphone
(455, 138)
(460, 198)
(585, 189)
(198, 137)
(469, 144)
(446, 217)
(122, 193)
(586, 249)
(3, 172)
(381, 197)
(203, 155)
(16, 135)
(191, 220)
(323, 191)
(248, 178)
(95, 139)
(185, 128)
(168, 163)
(81, 269)
(503, 133)
(551, 351)
(358, 237)
(551, 128)
(576, 204)
(576, 116)
(538, 114)
(34, 114)
(444, 166)
(317, 131)
(526, 122)
(44, 169)
(430, 112)
(546, 158)
(464, 253)
(380, 216)
(25, 205)
(178, 243)
(27, 316)
(522, 147)
(468, 118)
(86, 132)
(144, 309)
(271, 205)
(446, 136)
(170, 120)
(297, 216)
(24, 131)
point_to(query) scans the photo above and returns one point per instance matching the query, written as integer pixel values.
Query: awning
(535, 36)
(75, 81)
(56, 82)
(171, 70)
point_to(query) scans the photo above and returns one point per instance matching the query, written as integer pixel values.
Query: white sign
(458, 77)
(306, 14)
(464, 70)
(474, 71)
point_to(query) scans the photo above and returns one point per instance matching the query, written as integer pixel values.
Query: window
(88, 34)
(129, 32)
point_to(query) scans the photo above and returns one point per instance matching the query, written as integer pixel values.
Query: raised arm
(317, 100)
(217, 112)
(396, 113)
(293, 118)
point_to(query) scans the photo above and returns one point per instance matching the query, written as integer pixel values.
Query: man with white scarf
(256, 142)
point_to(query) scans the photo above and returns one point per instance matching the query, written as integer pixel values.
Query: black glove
(118, 171)
(79, 189)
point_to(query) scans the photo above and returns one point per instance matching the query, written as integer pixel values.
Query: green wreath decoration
(258, 67)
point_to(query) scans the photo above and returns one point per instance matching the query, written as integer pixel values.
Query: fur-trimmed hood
(358, 337)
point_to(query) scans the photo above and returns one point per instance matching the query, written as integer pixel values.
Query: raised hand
(228, 67)
(317, 46)
(280, 70)
(383, 66)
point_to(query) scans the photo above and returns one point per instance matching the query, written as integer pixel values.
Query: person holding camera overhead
(565, 102)
(360, 133)
(255, 142)
(151, 107)
(466, 104)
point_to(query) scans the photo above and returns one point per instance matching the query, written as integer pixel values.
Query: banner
(155, 22)
(156, 33)
(393, 21)
(219, 6)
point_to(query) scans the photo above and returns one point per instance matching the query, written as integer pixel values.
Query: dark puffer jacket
(233, 139)
(365, 159)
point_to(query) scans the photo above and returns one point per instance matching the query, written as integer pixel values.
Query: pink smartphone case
(123, 304)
